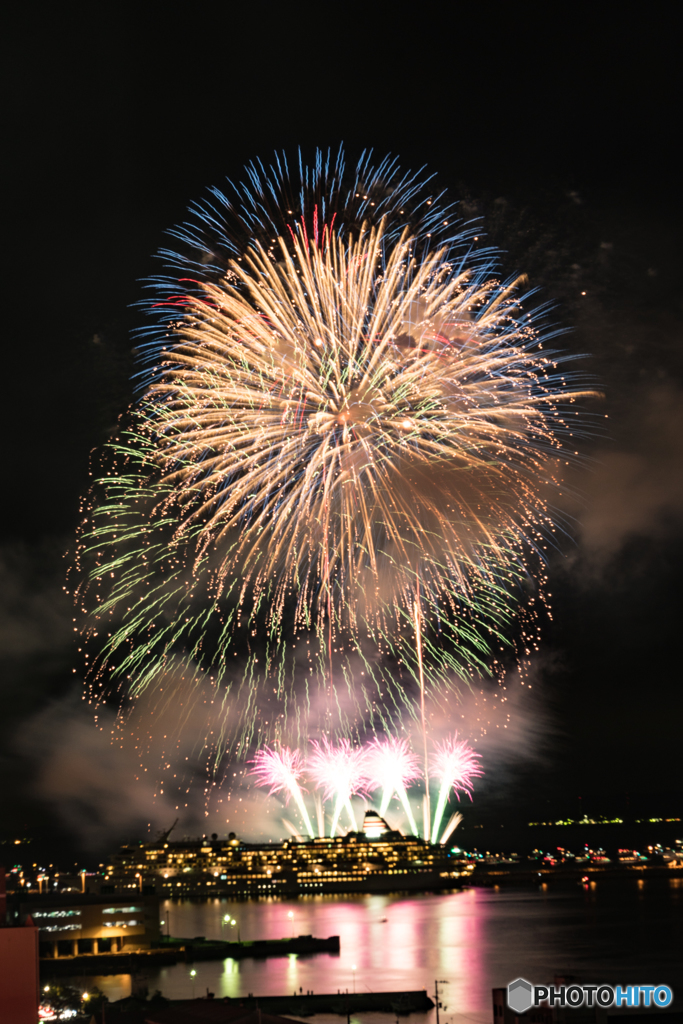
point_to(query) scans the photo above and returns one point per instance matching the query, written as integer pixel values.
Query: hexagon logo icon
(520, 995)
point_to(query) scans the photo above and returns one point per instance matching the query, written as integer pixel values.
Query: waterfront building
(74, 924)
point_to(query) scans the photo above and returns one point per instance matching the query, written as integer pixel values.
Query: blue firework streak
(274, 203)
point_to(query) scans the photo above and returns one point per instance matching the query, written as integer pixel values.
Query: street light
(139, 878)
(290, 915)
(193, 975)
(439, 1004)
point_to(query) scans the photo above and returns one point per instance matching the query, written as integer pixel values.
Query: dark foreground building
(197, 1011)
(19, 981)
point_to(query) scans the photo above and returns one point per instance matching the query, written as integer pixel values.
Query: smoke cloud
(637, 488)
(124, 775)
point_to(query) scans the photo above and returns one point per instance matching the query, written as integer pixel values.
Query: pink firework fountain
(340, 771)
(456, 766)
(391, 767)
(281, 770)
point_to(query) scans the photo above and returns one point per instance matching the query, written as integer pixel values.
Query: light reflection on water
(475, 940)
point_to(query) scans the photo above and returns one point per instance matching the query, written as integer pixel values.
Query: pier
(342, 1003)
(252, 1009)
(172, 951)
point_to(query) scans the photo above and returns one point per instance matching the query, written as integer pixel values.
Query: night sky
(560, 131)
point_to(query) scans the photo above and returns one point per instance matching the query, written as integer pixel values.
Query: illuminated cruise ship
(374, 860)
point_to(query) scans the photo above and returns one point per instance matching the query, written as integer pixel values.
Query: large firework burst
(348, 427)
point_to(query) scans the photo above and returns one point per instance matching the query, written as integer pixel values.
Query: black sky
(556, 123)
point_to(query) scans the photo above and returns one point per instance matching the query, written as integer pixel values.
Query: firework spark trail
(341, 772)
(281, 770)
(426, 813)
(343, 404)
(451, 826)
(319, 813)
(392, 767)
(456, 765)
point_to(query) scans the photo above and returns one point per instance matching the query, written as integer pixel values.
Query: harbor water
(626, 931)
